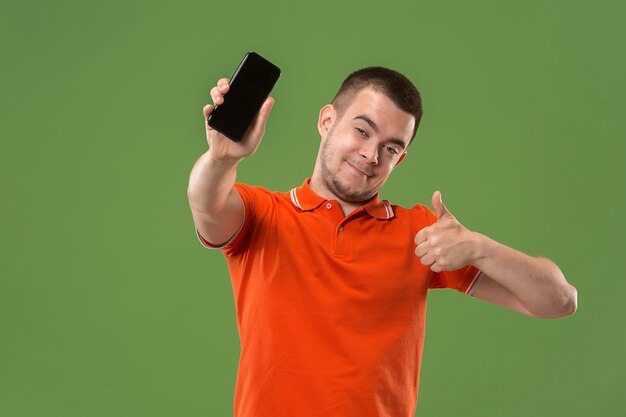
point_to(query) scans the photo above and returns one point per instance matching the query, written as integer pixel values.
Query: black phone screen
(250, 85)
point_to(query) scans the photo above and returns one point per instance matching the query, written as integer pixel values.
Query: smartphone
(250, 85)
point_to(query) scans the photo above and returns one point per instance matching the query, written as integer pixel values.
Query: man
(330, 282)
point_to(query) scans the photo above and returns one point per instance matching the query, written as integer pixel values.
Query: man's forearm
(210, 182)
(537, 282)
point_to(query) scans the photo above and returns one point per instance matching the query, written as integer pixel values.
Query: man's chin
(352, 194)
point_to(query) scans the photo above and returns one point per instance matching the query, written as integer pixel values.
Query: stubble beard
(333, 183)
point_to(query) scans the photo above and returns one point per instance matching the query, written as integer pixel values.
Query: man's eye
(390, 149)
(361, 131)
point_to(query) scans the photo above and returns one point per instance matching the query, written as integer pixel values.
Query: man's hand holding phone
(235, 124)
(221, 147)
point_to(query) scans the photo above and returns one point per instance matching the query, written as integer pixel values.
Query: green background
(109, 305)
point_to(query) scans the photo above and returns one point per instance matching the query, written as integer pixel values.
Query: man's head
(398, 88)
(365, 132)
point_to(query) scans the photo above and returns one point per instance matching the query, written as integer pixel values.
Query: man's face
(359, 151)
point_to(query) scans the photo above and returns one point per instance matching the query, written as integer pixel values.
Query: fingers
(217, 92)
(206, 110)
(436, 263)
(432, 256)
(436, 267)
(421, 250)
(223, 82)
(217, 95)
(428, 259)
(421, 236)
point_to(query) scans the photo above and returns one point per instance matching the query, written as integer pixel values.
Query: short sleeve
(461, 279)
(255, 203)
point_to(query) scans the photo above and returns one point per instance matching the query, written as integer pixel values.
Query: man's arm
(216, 206)
(495, 293)
(531, 285)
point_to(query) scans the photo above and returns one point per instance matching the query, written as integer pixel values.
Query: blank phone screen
(250, 85)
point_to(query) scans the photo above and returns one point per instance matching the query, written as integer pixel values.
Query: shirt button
(329, 206)
(341, 228)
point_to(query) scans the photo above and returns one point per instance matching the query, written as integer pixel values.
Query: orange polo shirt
(330, 309)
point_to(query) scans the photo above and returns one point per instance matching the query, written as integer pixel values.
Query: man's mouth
(361, 171)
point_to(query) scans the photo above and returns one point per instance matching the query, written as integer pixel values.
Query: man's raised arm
(531, 285)
(216, 206)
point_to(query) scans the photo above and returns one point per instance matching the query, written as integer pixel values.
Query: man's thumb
(267, 106)
(261, 118)
(440, 208)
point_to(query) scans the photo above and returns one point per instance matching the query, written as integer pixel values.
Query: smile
(358, 170)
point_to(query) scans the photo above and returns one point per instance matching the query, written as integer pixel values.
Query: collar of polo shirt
(306, 199)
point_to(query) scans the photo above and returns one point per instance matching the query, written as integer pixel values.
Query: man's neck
(346, 207)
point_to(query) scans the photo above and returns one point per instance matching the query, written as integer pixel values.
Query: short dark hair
(391, 83)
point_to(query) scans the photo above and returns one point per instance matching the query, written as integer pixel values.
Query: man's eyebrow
(368, 120)
(373, 125)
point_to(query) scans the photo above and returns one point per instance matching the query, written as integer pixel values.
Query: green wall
(109, 305)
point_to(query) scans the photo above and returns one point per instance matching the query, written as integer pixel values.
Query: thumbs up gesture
(445, 245)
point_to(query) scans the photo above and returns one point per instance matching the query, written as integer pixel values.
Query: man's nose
(369, 152)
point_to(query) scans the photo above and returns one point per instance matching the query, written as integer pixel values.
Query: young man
(330, 282)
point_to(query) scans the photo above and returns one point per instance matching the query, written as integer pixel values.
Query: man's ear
(327, 117)
(400, 160)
